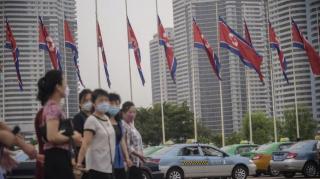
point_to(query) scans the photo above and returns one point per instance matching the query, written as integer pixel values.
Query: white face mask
(87, 106)
(103, 107)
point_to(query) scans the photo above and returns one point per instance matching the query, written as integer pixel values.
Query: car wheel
(239, 172)
(310, 170)
(273, 172)
(146, 174)
(175, 173)
(289, 174)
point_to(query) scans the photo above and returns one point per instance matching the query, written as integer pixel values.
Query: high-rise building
(234, 77)
(159, 67)
(19, 107)
(307, 86)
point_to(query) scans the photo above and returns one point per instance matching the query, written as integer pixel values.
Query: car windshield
(305, 145)
(161, 152)
(264, 147)
(150, 150)
(226, 149)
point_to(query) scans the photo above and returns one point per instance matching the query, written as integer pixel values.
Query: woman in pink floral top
(52, 88)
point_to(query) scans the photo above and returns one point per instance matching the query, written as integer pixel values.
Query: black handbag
(65, 127)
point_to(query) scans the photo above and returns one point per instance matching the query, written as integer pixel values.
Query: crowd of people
(100, 142)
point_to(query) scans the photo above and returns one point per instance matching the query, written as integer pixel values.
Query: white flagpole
(318, 25)
(220, 82)
(65, 57)
(294, 80)
(272, 83)
(3, 70)
(98, 56)
(160, 74)
(249, 104)
(193, 86)
(131, 95)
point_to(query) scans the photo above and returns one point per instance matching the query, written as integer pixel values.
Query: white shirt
(100, 154)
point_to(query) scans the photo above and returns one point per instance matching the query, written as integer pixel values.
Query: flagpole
(160, 74)
(318, 25)
(294, 81)
(130, 77)
(3, 76)
(272, 83)
(193, 84)
(249, 104)
(65, 57)
(220, 82)
(98, 56)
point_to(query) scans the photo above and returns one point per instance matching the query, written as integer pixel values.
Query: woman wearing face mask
(121, 154)
(133, 140)
(79, 119)
(52, 88)
(98, 146)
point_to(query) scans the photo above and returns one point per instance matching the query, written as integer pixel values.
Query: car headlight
(251, 161)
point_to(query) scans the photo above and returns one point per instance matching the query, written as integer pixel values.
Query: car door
(219, 165)
(192, 161)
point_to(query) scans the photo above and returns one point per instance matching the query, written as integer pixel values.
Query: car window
(190, 151)
(161, 151)
(284, 146)
(209, 151)
(243, 149)
(304, 145)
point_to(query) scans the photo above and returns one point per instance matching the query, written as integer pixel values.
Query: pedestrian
(57, 135)
(121, 150)
(133, 140)
(79, 119)
(9, 138)
(98, 146)
(37, 125)
(317, 138)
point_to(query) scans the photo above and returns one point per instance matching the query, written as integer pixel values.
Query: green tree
(307, 124)
(179, 124)
(234, 138)
(262, 128)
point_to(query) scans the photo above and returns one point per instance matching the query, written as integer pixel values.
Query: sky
(112, 19)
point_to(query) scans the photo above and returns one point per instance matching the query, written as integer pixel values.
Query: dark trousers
(120, 173)
(93, 174)
(57, 164)
(135, 173)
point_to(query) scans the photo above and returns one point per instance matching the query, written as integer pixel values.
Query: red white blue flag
(12, 45)
(201, 42)
(103, 53)
(46, 43)
(247, 33)
(300, 42)
(168, 48)
(275, 44)
(70, 43)
(133, 44)
(232, 41)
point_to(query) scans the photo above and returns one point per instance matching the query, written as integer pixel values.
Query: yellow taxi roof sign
(244, 142)
(191, 141)
(285, 139)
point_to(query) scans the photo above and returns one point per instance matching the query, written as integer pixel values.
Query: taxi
(201, 161)
(263, 155)
(243, 149)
